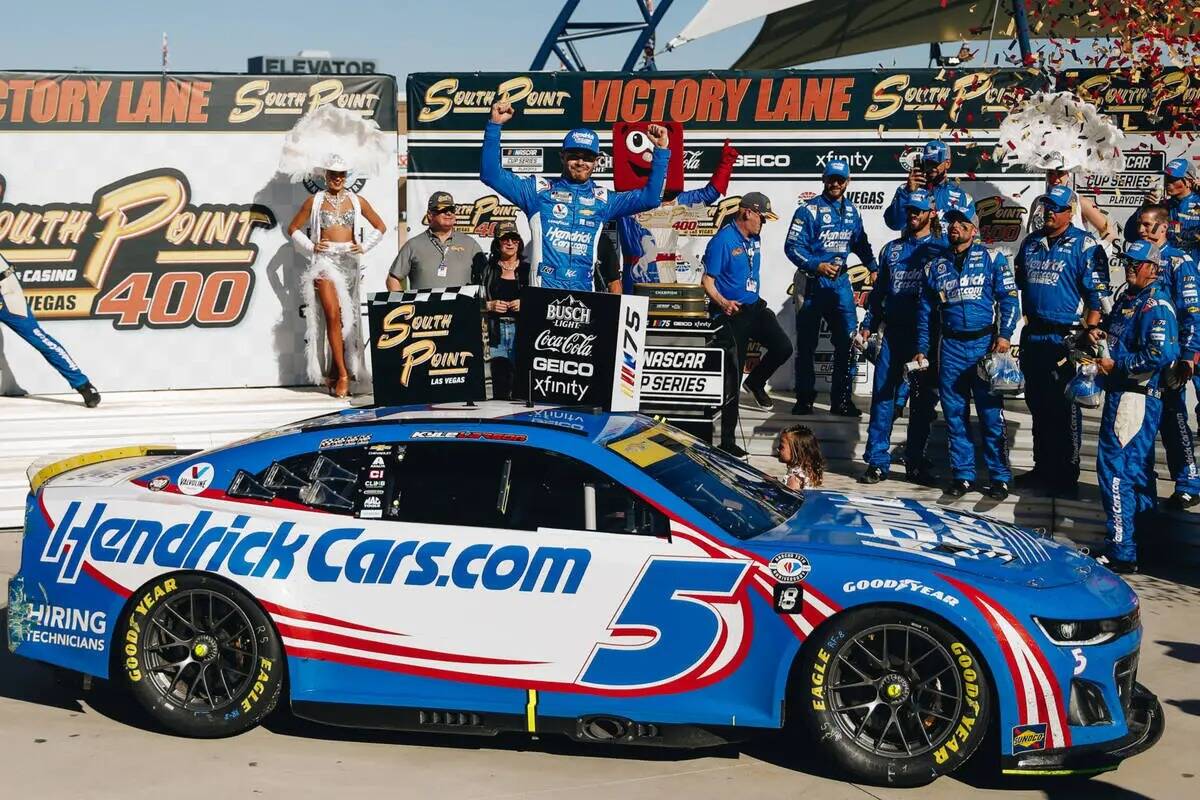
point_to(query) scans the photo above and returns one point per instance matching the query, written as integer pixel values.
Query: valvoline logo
(196, 478)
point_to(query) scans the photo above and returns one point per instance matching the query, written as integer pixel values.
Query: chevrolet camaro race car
(502, 567)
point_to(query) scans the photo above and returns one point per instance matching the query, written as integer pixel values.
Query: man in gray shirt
(438, 257)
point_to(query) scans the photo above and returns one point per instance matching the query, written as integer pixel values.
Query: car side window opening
(473, 484)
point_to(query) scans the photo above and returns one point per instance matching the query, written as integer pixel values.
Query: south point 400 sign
(581, 348)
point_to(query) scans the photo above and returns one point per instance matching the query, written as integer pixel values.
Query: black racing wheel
(893, 697)
(200, 656)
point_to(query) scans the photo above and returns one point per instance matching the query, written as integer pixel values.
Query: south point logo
(569, 313)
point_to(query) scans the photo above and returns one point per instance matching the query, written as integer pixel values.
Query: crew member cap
(1177, 168)
(582, 139)
(954, 212)
(837, 167)
(757, 201)
(440, 200)
(1060, 197)
(507, 228)
(935, 151)
(1142, 251)
(919, 199)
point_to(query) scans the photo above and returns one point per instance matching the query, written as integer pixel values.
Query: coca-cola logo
(571, 344)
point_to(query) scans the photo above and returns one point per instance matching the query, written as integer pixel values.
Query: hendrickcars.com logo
(139, 253)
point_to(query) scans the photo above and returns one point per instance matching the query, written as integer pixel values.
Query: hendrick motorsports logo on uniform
(196, 478)
(789, 567)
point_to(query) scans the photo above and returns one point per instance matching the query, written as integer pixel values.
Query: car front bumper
(1144, 720)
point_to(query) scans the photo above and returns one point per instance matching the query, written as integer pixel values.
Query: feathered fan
(335, 138)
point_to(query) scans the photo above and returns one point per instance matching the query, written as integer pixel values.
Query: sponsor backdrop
(147, 224)
(787, 125)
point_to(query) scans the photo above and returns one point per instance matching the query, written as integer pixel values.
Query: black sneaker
(873, 475)
(1034, 479)
(1181, 500)
(1117, 565)
(802, 408)
(734, 450)
(761, 398)
(998, 490)
(922, 475)
(91, 397)
(848, 410)
(958, 488)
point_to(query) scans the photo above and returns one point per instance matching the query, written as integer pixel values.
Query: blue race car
(502, 567)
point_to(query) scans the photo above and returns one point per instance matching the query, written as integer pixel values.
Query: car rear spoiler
(44, 469)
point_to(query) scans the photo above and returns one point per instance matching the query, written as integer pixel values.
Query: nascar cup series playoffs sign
(581, 348)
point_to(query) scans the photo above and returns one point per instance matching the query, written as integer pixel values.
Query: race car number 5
(672, 601)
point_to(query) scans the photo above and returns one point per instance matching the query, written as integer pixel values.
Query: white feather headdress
(334, 138)
(1057, 130)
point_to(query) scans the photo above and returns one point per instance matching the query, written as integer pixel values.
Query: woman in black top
(504, 275)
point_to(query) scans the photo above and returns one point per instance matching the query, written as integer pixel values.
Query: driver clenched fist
(657, 134)
(502, 112)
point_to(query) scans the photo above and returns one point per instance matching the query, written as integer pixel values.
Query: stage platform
(38, 425)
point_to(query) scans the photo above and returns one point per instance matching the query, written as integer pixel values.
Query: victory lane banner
(427, 346)
(146, 223)
(580, 348)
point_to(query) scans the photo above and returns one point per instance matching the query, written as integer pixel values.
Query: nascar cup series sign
(581, 348)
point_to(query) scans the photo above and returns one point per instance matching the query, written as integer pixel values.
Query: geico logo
(580, 368)
(763, 160)
(217, 542)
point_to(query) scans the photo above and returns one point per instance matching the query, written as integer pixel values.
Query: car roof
(587, 421)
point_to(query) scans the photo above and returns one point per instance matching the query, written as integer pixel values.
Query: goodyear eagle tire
(200, 656)
(892, 697)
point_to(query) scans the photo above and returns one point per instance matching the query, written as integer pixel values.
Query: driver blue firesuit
(824, 231)
(892, 308)
(1142, 336)
(567, 217)
(974, 295)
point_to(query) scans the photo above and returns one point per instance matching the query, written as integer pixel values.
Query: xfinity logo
(857, 160)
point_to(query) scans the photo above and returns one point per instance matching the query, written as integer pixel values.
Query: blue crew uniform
(1184, 214)
(1180, 280)
(567, 218)
(16, 313)
(826, 231)
(946, 195)
(1054, 277)
(973, 294)
(734, 261)
(892, 305)
(1142, 335)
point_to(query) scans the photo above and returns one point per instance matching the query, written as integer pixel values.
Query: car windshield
(733, 495)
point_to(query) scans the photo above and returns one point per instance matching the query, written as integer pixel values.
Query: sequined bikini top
(330, 219)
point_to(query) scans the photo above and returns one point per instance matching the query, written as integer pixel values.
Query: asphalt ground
(57, 741)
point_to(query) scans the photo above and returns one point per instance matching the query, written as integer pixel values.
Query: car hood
(938, 537)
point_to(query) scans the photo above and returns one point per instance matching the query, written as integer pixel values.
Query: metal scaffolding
(560, 40)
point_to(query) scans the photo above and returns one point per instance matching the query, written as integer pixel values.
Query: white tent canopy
(717, 15)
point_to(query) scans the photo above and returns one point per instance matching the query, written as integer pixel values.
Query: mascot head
(632, 153)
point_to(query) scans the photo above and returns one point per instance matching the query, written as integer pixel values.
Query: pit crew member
(974, 294)
(933, 176)
(567, 214)
(824, 231)
(1057, 269)
(1142, 337)
(892, 310)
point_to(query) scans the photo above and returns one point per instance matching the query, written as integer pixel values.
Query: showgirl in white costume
(331, 143)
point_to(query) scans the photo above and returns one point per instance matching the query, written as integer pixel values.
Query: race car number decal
(677, 602)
